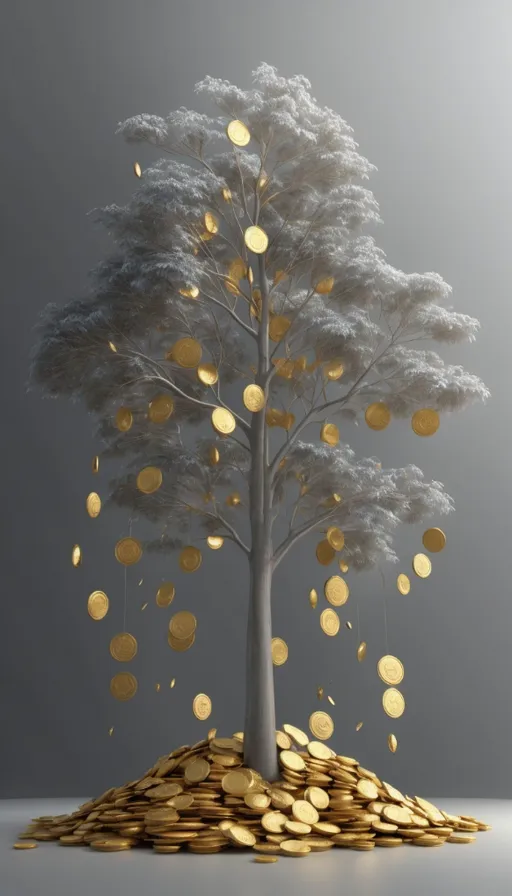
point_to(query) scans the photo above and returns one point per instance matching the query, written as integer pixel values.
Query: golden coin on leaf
(425, 422)
(215, 542)
(324, 287)
(124, 419)
(187, 352)
(434, 540)
(149, 480)
(210, 222)
(190, 559)
(189, 292)
(325, 553)
(333, 369)
(160, 408)
(128, 551)
(207, 374)
(279, 651)
(93, 504)
(123, 686)
(238, 132)
(330, 434)
(377, 415)
(223, 421)
(256, 239)
(336, 591)
(335, 537)
(254, 398)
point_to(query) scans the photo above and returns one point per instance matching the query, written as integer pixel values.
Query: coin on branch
(238, 132)
(93, 504)
(333, 370)
(128, 551)
(403, 583)
(189, 292)
(330, 622)
(434, 540)
(215, 542)
(123, 686)
(425, 422)
(390, 669)
(123, 647)
(207, 374)
(124, 419)
(182, 625)
(335, 537)
(201, 706)
(421, 565)
(165, 594)
(186, 352)
(279, 651)
(210, 222)
(160, 408)
(325, 553)
(190, 559)
(377, 415)
(330, 434)
(254, 398)
(336, 591)
(149, 480)
(223, 421)
(393, 703)
(324, 286)
(97, 605)
(256, 239)
(234, 499)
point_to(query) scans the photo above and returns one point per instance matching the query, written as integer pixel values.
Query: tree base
(202, 798)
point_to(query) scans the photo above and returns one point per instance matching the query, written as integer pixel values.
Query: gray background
(426, 87)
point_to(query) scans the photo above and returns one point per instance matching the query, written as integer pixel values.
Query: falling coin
(359, 726)
(144, 605)
(201, 706)
(425, 422)
(403, 583)
(165, 594)
(325, 554)
(321, 725)
(330, 434)
(95, 464)
(149, 480)
(76, 555)
(392, 743)
(97, 605)
(213, 455)
(207, 374)
(421, 565)
(223, 421)
(124, 419)
(329, 622)
(172, 683)
(335, 537)
(279, 651)
(390, 669)
(128, 551)
(123, 647)
(160, 408)
(336, 591)
(331, 701)
(210, 222)
(393, 703)
(434, 540)
(238, 133)
(313, 598)
(190, 559)
(137, 170)
(182, 625)
(123, 686)
(361, 651)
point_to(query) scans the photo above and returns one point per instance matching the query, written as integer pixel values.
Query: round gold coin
(149, 480)
(335, 537)
(403, 583)
(95, 465)
(321, 725)
(329, 622)
(190, 559)
(187, 352)
(392, 743)
(93, 504)
(390, 669)
(180, 645)
(421, 565)
(124, 419)
(333, 369)
(377, 415)
(361, 651)
(238, 132)
(128, 551)
(189, 292)
(279, 651)
(223, 421)
(182, 625)
(296, 848)
(207, 374)
(210, 222)
(318, 750)
(330, 434)
(201, 706)
(325, 553)
(160, 408)
(123, 647)
(425, 422)
(76, 555)
(313, 598)
(123, 686)
(214, 542)
(336, 591)
(165, 594)
(324, 286)
(393, 703)
(97, 605)
(292, 761)
(25, 844)
(256, 239)
(434, 540)
(298, 736)
(254, 398)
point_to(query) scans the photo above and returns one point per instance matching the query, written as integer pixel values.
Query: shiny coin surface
(333, 370)
(187, 352)
(93, 504)
(390, 669)
(392, 743)
(336, 591)
(361, 651)
(181, 644)
(160, 408)
(298, 736)
(256, 239)
(265, 859)
(403, 583)
(210, 222)
(254, 398)
(434, 540)
(76, 555)
(223, 421)
(95, 465)
(123, 686)
(330, 622)
(325, 554)
(313, 598)
(279, 651)
(149, 480)
(137, 170)
(393, 703)
(238, 133)
(421, 565)
(128, 551)
(189, 292)
(377, 416)
(201, 707)
(25, 844)
(214, 542)
(330, 434)
(335, 537)
(123, 647)
(182, 625)
(190, 559)
(321, 725)
(296, 848)
(425, 422)
(165, 594)
(124, 419)
(213, 455)
(97, 605)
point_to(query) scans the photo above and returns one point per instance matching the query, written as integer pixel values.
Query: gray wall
(427, 88)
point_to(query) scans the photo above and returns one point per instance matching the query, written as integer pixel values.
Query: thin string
(385, 610)
(126, 583)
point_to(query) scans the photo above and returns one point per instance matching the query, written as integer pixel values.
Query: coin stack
(203, 798)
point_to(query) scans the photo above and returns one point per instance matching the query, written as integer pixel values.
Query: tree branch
(296, 535)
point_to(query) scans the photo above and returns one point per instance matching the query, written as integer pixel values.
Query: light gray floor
(483, 868)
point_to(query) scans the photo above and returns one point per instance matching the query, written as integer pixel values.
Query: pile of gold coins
(203, 798)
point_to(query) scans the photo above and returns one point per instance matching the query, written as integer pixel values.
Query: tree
(247, 266)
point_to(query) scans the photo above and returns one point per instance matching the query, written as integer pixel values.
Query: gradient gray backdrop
(426, 86)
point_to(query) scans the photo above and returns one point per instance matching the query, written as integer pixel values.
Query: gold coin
(292, 761)
(234, 499)
(393, 703)
(325, 554)
(330, 434)
(95, 465)
(304, 813)
(367, 789)
(223, 421)
(403, 583)
(265, 859)
(279, 651)
(313, 598)
(256, 239)
(238, 782)
(182, 625)
(187, 352)
(123, 686)
(333, 369)
(319, 693)
(377, 415)
(76, 555)
(336, 591)
(137, 170)
(343, 566)
(456, 838)
(359, 726)
(123, 647)
(124, 419)
(25, 844)
(181, 644)
(317, 797)
(335, 537)
(278, 327)
(189, 292)
(324, 287)
(254, 398)
(318, 750)
(329, 622)
(160, 408)
(201, 706)
(434, 540)
(112, 347)
(425, 422)
(361, 651)
(421, 565)
(213, 455)
(165, 594)
(210, 222)
(97, 605)
(390, 669)
(128, 551)
(149, 480)
(392, 743)
(241, 835)
(321, 725)
(299, 737)
(190, 559)
(215, 542)
(295, 848)
(226, 194)
(238, 132)
(208, 374)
